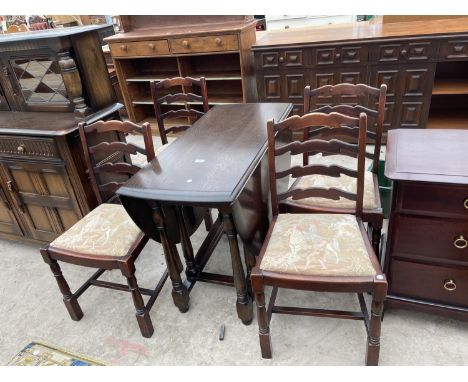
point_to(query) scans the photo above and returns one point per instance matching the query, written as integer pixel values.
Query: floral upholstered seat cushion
(105, 231)
(317, 245)
(345, 183)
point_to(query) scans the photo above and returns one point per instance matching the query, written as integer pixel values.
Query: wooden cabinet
(424, 64)
(426, 258)
(218, 48)
(44, 188)
(55, 70)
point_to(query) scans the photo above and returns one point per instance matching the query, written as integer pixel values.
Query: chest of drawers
(426, 258)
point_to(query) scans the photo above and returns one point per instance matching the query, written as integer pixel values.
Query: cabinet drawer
(454, 50)
(338, 56)
(442, 239)
(287, 58)
(420, 51)
(431, 283)
(434, 199)
(139, 48)
(28, 147)
(205, 44)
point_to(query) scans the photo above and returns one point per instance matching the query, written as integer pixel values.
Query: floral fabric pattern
(317, 245)
(105, 231)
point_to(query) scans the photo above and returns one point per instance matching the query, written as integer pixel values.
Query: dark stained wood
(427, 243)
(230, 179)
(376, 285)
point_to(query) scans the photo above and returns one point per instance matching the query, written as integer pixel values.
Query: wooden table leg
(187, 249)
(180, 294)
(244, 302)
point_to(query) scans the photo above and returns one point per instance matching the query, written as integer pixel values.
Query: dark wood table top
(47, 123)
(213, 160)
(427, 155)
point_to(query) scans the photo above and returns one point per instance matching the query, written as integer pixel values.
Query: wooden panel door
(8, 222)
(43, 195)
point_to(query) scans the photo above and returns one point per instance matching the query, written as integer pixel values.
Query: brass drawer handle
(465, 203)
(185, 43)
(21, 148)
(450, 285)
(281, 59)
(123, 47)
(460, 242)
(218, 41)
(403, 52)
(151, 46)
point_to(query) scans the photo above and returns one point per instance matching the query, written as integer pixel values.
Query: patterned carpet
(41, 354)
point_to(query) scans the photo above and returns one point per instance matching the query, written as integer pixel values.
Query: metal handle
(460, 242)
(403, 52)
(281, 59)
(123, 47)
(218, 41)
(21, 148)
(465, 203)
(337, 56)
(450, 285)
(151, 46)
(185, 43)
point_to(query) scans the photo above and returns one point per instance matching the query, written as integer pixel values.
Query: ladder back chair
(319, 252)
(315, 100)
(187, 97)
(106, 238)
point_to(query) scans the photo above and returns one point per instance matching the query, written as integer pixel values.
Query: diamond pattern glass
(41, 80)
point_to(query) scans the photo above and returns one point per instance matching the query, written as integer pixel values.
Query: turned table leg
(244, 302)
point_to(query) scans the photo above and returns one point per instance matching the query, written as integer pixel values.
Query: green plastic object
(385, 188)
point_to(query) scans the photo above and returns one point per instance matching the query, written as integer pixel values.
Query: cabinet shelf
(448, 119)
(220, 100)
(215, 76)
(443, 86)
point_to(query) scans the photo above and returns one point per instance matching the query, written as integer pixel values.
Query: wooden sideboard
(44, 188)
(426, 259)
(153, 48)
(55, 70)
(424, 64)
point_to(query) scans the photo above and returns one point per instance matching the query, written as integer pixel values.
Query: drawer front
(140, 48)
(454, 50)
(430, 283)
(442, 239)
(19, 146)
(287, 58)
(433, 199)
(205, 44)
(420, 51)
(353, 55)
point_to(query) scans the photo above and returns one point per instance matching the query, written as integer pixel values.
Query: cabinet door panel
(272, 84)
(3, 101)
(388, 77)
(411, 114)
(415, 81)
(295, 86)
(43, 194)
(8, 222)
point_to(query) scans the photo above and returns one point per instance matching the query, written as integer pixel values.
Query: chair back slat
(109, 162)
(332, 170)
(357, 90)
(304, 123)
(187, 97)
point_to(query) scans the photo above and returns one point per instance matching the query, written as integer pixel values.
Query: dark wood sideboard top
(359, 32)
(427, 155)
(212, 161)
(47, 123)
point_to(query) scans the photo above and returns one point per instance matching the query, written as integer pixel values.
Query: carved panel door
(43, 195)
(8, 221)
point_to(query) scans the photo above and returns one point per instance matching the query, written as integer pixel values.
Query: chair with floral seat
(106, 238)
(315, 251)
(326, 99)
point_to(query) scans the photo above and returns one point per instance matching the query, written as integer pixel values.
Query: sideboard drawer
(205, 44)
(432, 283)
(338, 56)
(28, 146)
(437, 238)
(434, 199)
(420, 51)
(139, 48)
(284, 58)
(454, 50)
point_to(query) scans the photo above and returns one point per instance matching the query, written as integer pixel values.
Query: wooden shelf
(450, 86)
(216, 76)
(220, 100)
(449, 119)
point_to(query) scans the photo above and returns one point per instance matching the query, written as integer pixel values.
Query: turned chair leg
(69, 299)
(262, 318)
(373, 337)
(142, 314)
